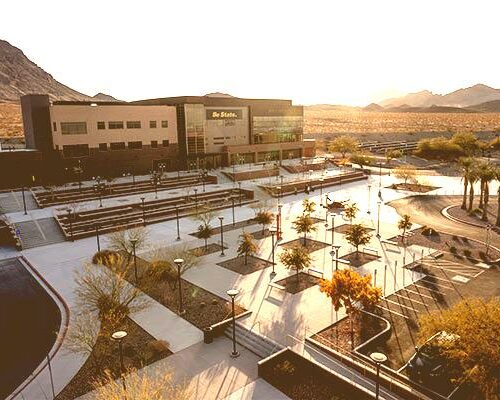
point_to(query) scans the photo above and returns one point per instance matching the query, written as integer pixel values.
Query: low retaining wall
(252, 174)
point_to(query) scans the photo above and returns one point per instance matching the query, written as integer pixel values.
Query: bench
(273, 285)
(312, 271)
(437, 254)
(390, 242)
(370, 250)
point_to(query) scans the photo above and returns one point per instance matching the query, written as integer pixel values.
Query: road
(426, 210)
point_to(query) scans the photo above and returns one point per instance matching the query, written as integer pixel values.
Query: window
(152, 124)
(165, 143)
(73, 128)
(115, 125)
(133, 124)
(117, 146)
(103, 147)
(164, 124)
(154, 144)
(75, 150)
(135, 145)
(101, 125)
(54, 126)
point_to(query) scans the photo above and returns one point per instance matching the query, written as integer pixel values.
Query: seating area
(83, 224)
(292, 187)
(249, 174)
(46, 198)
(300, 168)
(382, 147)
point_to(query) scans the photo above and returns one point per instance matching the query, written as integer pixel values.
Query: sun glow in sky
(338, 52)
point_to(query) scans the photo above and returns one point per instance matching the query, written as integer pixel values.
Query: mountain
(459, 98)
(489, 106)
(20, 76)
(373, 107)
(104, 97)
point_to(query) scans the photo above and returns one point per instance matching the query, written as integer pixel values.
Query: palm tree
(487, 174)
(472, 177)
(404, 224)
(466, 163)
(497, 177)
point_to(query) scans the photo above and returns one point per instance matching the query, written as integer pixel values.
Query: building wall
(226, 126)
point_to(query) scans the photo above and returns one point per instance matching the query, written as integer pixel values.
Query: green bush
(439, 149)
(106, 257)
(453, 250)
(428, 231)
(467, 253)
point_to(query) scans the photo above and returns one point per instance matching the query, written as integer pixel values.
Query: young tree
(476, 350)
(204, 216)
(204, 232)
(343, 145)
(264, 217)
(163, 268)
(404, 224)
(466, 163)
(246, 246)
(393, 154)
(304, 224)
(350, 211)
(406, 173)
(296, 258)
(121, 241)
(141, 386)
(357, 235)
(361, 159)
(346, 289)
(308, 206)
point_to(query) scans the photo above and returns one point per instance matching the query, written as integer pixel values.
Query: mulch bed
(412, 187)
(230, 227)
(357, 259)
(203, 308)
(446, 242)
(204, 251)
(238, 264)
(338, 335)
(475, 218)
(311, 245)
(139, 349)
(345, 227)
(305, 282)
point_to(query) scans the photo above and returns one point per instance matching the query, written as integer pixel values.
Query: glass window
(152, 124)
(115, 125)
(73, 128)
(75, 150)
(164, 124)
(154, 144)
(117, 146)
(135, 145)
(165, 143)
(101, 125)
(103, 147)
(54, 126)
(133, 124)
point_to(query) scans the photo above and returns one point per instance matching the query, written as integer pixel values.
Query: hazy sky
(348, 52)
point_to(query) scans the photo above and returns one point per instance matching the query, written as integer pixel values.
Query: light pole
(97, 237)
(279, 222)
(70, 224)
(232, 205)
(221, 237)
(379, 203)
(369, 198)
(24, 201)
(196, 198)
(333, 228)
(177, 217)
(239, 191)
(378, 358)
(321, 190)
(379, 180)
(335, 253)
(133, 242)
(233, 293)
(143, 211)
(118, 337)
(179, 262)
(272, 230)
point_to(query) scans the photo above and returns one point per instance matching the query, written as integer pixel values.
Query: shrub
(106, 257)
(155, 349)
(439, 148)
(428, 231)
(467, 253)
(453, 250)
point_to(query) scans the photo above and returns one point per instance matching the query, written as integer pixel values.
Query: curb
(446, 214)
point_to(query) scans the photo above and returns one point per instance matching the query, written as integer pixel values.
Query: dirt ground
(293, 286)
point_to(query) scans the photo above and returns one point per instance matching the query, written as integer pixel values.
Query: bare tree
(121, 241)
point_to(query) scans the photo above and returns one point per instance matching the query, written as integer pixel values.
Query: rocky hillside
(20, 76)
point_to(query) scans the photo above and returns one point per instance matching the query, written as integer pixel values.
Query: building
(112, 138)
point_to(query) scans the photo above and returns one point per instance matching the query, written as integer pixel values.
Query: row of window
(82, 150)
(80, 128)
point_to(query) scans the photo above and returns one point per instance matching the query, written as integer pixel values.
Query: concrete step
(41, 232)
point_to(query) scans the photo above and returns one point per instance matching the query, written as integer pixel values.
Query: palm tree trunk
(305, 239)
(464, 200)
(498, 209)
(485, 202)
(206, 244)
(246, 257)
(404, 233)
(352, 330)
(481, 194)
(471, 197)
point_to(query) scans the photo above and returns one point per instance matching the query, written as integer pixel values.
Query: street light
(335, 253)
(196, 199)
(379, 180)
(97, 237)
(179, 262)
(221, 236)
(232, 206)
(177, 217)
(143, 211)
(379, 203)
(133, 242)
(239, 191)
(333, 228)
(233, 293)
(369, 197)
(272, 231)
(24, 202)
(70, 224)
(321, 190)
(279, 222)
(378, 358)
(118, 337)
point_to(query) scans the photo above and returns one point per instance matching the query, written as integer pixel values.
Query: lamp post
(239, 191)
(379, 180)
(272, 230)
(143, 211)
(97, 237)
(232, 206)
(24, 201)
(321, 190)
(333, 228)
(196, 198)
(133, 242)
(70, 224)
(177, 218)
(369, 197)
(118, 337)
(379, 203)
(179, 262)
(279, 222)
(378, 358)
(335, 253)
(221, 236)
(233, 293)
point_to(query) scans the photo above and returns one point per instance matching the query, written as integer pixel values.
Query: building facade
(113, 138)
